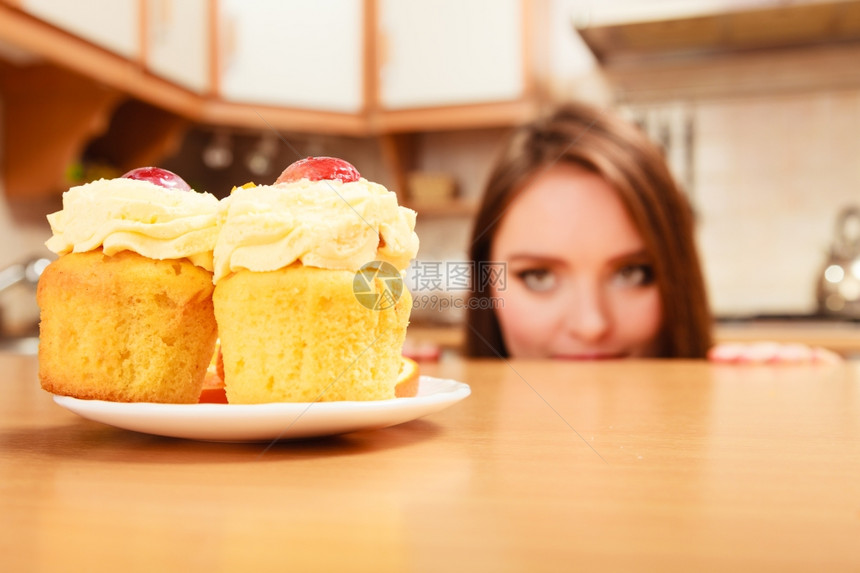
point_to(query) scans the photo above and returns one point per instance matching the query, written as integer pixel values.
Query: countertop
(841, 336)
(634, 465)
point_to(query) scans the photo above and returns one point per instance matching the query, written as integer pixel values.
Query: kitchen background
(756, 103)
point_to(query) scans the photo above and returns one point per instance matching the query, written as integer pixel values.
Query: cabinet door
(114, 25)
(450, 52)
(293, 53)
(177, 47)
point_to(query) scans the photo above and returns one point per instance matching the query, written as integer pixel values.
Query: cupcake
(309, 293)
(126, 309)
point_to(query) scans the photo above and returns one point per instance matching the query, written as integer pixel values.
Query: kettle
(838, 291)
(19, 314)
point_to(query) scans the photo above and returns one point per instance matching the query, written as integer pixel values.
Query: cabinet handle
(383, 50)
(227, 42)
(162, 20)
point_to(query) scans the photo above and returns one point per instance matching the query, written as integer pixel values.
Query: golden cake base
(299, 334)
(125, 328)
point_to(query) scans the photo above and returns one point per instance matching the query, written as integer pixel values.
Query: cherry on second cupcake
(319, 169)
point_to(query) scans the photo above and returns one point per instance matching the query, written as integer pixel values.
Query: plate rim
(448, 393)
(457, 388)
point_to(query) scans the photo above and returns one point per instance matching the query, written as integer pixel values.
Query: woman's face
(580, 284)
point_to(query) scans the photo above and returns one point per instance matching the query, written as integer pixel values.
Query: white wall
(772, 174)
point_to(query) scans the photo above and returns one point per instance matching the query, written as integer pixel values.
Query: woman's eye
(539, 280)
(634, 275)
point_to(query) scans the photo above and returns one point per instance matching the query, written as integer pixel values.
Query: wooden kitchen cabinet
(292, 53)
(113, 25)
(340, 67)
(398, 66)
(177, 42)
(350, 67)
(75, 69)
(452, 64)
(450, 52)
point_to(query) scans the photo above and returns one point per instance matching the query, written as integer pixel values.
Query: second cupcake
(309, 295)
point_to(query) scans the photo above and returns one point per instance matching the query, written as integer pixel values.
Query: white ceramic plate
(267, 422)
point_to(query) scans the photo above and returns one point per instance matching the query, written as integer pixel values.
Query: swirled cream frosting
(131, 215)
(327, 224)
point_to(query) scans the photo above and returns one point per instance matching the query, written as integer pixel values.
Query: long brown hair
(620, 153)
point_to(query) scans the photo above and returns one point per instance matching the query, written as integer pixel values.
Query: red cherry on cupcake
(158, 176)
(318, 169)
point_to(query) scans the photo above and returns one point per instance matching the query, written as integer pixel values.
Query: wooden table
(646, 466)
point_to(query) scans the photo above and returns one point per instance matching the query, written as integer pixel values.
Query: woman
(596, 241)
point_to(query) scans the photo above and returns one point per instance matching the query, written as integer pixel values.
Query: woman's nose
(587, 318)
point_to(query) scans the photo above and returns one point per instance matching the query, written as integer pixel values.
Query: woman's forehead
(566, 208)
